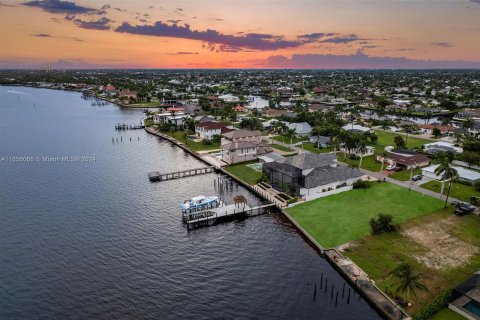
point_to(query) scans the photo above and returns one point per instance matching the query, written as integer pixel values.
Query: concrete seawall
(349, 270)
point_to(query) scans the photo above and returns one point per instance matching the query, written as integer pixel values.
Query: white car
(389, 168)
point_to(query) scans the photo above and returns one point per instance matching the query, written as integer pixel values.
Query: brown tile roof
(408, 159)
(237, 134)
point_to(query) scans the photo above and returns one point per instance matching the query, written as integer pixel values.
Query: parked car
(416, 177)
(475, 201)
(462, 208)
(390, 168)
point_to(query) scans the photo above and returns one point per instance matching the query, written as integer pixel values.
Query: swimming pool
(473, 306)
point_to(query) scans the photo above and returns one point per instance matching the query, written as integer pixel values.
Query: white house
(435, 147)
(355, 127)
(464, 174)
(168, 117)
(302, 128)
(207, 130)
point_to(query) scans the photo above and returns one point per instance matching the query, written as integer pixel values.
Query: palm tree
(362, 148)
(408, 281)
(303, 139)
(290, 133)
(282, 129)
(448, 172)
(317, 131)
(334, 143)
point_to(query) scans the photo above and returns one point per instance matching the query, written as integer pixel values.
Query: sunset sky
(239, 34)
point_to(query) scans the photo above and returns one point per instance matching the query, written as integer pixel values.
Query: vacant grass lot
(404, 175)
(285, 139)
(195, 146)
(245, 173)
(386, 139)
(378, 255)
(368, 162)
(312, 147)
(458, 191)
(344, 217)
(281, 148)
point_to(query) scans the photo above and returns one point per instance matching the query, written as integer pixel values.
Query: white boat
(199, 203)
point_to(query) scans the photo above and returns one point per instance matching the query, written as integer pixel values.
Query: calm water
(85, 240)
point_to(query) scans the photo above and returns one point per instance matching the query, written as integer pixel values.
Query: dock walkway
(212, 216)
(157, 176)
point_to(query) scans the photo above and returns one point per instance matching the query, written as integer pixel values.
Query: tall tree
(408, 281)
(449, 173)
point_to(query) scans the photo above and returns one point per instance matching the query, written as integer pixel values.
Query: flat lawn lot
(441, 246)
(344, 217)
(245, 173)
(386, 139)
(458, 191)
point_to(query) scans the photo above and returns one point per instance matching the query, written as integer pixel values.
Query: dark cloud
(174, 21)
(441, 44)
(58, 6)
(249, 41)
(343, 39)
(475, 1)
(101, 24)
(105, 7)
(358, 60)
(179, 9)
(316, 36)
(186, 53)
(42, 35)
(404, 49)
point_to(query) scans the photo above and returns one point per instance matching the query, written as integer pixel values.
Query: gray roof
(306, 161)
(327, 175)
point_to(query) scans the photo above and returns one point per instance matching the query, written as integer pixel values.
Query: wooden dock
(215, 215)
(157, 176)
(124, 126)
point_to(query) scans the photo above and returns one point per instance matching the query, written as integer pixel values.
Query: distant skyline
(239, 34)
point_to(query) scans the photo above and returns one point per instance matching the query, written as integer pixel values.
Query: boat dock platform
(124, 126)
(157, 176)
(210, 217)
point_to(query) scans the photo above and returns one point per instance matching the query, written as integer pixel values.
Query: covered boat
(199, 203)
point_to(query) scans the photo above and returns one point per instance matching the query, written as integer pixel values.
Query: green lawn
(195, 146)
(284, 139)
(378, 255)
(447, 314)
(368, 163)
(343, 217)
(245, 173)
(281, 148)
(312, 147)
(458, 191)
(404, 175)
(386, 139)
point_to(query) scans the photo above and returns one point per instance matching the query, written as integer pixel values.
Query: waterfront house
(405, 159)
(243, 145)
(208, 129)
(356, 128)
(311, 175)
(176, 118)
(438, 146)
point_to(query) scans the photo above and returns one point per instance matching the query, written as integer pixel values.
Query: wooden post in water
(315, 292)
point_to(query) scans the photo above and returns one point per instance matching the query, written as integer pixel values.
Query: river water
(95, 239)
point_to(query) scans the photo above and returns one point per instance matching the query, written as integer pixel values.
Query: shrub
(293, 200)
(477, 185)
(440, 302)
(361, 184)
(382, 223)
